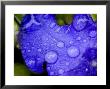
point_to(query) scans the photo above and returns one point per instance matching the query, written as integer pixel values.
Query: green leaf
(64, 19)
(17, 21)
(68, 18)
(19, 17)
(60, 22)
(16, 26)
(94, 17)
(16, 30)
(21, 70)
(59, 16)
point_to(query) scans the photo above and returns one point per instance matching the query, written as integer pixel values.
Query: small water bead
(86, 69)
(60, 44)
(67, 63)
(84, 40)
(39, 50)
(48, 68)
(78, 38)
(51, 73)
(93, 34)
(28, 50)
(52, 25)
(80, 22)
(30, 62)
(38, 58)
(60, 71)
(57, 29)
(51, 57)
(71, 42)
(94, 63)
(73, 51)
(33, 47)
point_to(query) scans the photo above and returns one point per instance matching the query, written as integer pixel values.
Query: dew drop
(92, 34)
(94, 63)
(51, 57)
(60, 44)
(73, 51)
(60, 71)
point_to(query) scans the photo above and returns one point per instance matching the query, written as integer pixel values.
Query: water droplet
(28, 50)
(38, 59)
(78, 38)
(94, 63)
(48, 68)
(51, 73)
(67, 63)
(73, 51)
(86, 69)
(30, 62)
(84, 40)
(51, 57)
(71, 42)
(60, 44)
(39, 50)
(60, 71)
(28, 43)
(52, 25)
(92, 34)
(57, 29)
(80, 22)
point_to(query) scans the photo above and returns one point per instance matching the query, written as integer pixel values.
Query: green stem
(17, 20)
